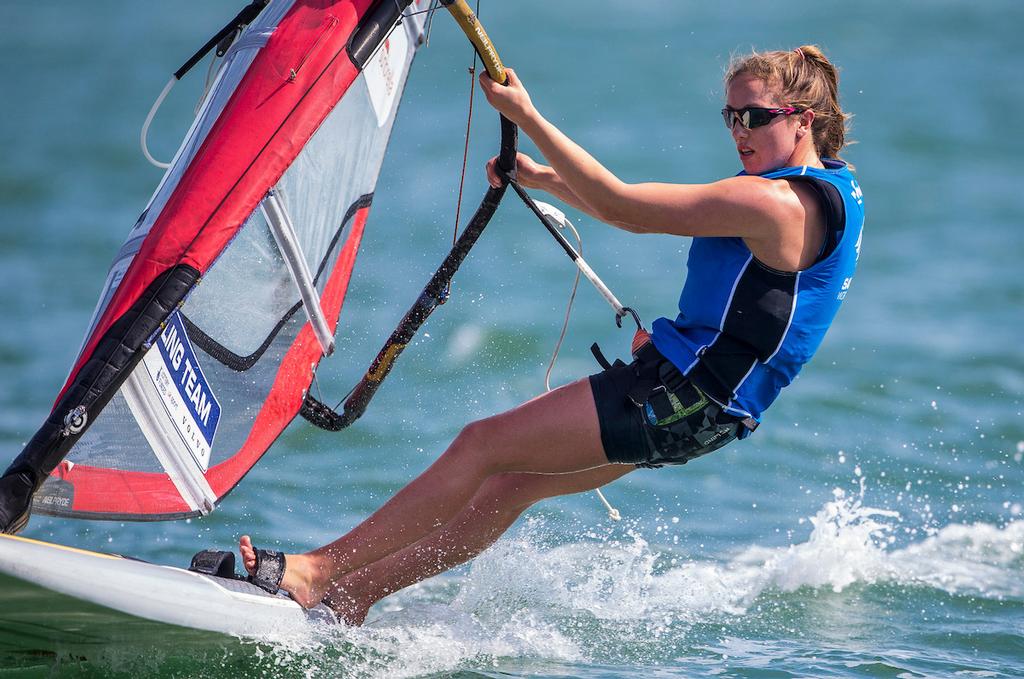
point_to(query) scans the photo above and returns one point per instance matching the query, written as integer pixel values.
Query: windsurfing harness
(228, 289)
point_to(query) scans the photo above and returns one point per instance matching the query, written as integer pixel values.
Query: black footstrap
(269, 570)
(213, 562)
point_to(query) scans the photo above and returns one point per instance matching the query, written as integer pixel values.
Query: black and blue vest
(744, 329)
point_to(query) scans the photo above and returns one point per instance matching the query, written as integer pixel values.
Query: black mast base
(16, 491)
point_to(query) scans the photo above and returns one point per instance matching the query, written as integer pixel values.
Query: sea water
(871, 527)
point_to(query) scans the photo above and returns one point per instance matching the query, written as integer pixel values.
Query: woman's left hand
(511, 100)
(529, 172)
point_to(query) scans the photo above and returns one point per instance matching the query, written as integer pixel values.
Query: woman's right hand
(510, 99)
(528, 171)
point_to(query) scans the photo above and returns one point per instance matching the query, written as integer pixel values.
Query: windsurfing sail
(228, 289)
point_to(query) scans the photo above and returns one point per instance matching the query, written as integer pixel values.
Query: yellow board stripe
(60, 547)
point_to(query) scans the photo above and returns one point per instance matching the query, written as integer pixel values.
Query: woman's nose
(737, 130)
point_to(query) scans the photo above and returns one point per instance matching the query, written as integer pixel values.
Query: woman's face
(770, 146)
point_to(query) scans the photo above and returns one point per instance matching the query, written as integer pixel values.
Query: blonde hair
(807, 79)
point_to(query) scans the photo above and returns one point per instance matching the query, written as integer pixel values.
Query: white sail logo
(190, 381)
(190, 405)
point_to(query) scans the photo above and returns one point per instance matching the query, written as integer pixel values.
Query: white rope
(613, 513)
(568, 311)
(431, 9)
(211, 71)
(149, 119)
(559, 217)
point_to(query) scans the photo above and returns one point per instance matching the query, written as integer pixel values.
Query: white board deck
(52, 594)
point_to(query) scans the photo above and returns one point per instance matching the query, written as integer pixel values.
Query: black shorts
(650, 415)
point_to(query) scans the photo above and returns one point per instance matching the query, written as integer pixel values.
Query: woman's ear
(805, 122)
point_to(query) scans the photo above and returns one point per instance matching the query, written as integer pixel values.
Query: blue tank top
(744, 329)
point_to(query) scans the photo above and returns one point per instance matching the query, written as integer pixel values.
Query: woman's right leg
(555, 433)
(497, 505)
(494, 508)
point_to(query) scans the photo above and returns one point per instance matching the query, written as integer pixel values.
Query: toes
(245, 546)
(248, 553)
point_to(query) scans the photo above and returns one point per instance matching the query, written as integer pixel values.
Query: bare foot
(300, 574)
(305, 581)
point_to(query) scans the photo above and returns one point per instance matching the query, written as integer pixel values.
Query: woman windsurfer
(773, 253)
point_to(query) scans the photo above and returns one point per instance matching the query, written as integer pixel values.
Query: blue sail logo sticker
(186, 395)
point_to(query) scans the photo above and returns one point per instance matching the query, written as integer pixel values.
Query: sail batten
(286, 240)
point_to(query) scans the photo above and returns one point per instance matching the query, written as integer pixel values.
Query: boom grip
(474, 30)
(509, 148)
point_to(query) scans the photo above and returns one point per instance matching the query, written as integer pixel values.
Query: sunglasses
(755, 116)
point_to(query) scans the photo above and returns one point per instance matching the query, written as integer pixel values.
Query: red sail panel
(110, 491)
(292, 85)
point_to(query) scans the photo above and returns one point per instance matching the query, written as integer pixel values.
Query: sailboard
(58, 599)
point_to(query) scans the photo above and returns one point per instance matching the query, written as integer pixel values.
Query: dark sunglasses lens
(731, 116)
(756, 117)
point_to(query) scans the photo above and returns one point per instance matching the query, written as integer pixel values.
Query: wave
(624, 601)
